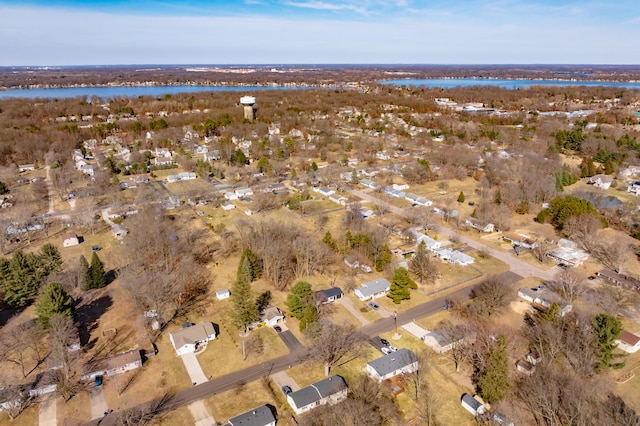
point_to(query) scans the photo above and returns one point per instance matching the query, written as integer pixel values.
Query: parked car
(374, 306)
(96, 248)
(385, 350)
(286, 389)
(384, 341)
(98, 381)
(277, 328)
(393, 349)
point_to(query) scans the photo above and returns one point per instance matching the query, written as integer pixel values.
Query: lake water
(130, 91)
(449, 83)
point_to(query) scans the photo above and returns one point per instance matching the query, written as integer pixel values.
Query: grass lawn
(28, 417)
(240, 400)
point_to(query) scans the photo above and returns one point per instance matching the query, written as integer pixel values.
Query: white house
(271, 316)
(70, 239)
(402, 361)
(373, 289)
(634, 187)
(328, 391)
(119, 231)
(628, 342)
(430, 243)
(476, 224)
(112, 365)
(26, 167)
(231, 196)
(259, 416)
(243, 192)
(227, 205)
(601, 181)
(472, 405)
(188, 339)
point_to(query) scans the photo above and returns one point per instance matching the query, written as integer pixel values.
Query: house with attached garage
(601, 181)
(328, 391)
(628, 342)
(188, 339)
(259, 416)
(324, 297)
(373, 289)
(113, 365)
(402, 361)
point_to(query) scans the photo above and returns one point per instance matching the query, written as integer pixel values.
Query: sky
(122, 32)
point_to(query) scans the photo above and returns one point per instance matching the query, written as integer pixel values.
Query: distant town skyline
(102, 32)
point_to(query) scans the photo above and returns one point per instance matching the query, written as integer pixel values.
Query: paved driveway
(291, 341)
(348, 305)
(415, 329)
(193, 368)
(281, 378)
(47, 414)
(98, 402)
(201, 415)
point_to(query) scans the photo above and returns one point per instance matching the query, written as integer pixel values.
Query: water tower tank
(249, 111)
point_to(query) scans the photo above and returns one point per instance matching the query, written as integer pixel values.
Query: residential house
(430, 243)
(373, 289)
(601, 181)
(351, 262)
(163, 161)
(628, 342)
(326, 192)
(113, 365)
(162, 152)
(630, 171)
(259, 416)
(243, 192)
(327, 391)
(568, 256)
(227, 205)
(271, 316)
(634, 187)
(26, 167)
(481, 227)
(188, 339)
(327, 296)
(212, 156)
(520, 240)
(543, 299)
(119, 231)
(382, 155)
(472, 405)
(70, 239)
(402, 361)
(619, 280)
(454, 257)
(231, 196)
(89, 170)
(525, 367)
(418, 200)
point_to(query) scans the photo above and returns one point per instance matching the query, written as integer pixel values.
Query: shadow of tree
(87, 315)
(110, 276)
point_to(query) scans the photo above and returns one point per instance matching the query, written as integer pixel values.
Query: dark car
(384, 341)
(287, 390)
(98, 381)
(373, 305)
(96, 248)
(277, 328)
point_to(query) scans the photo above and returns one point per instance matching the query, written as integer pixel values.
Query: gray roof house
(372, 289)
(402, 361)
(329, 295)
(328, 391)
(259, 416)
(188, 339)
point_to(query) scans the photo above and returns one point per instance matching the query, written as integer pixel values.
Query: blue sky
(74, 32)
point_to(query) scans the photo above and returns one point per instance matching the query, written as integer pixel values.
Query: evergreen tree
(354, 177)
(299, 298)
(309, 316)
(84, 274)
(461, 197)
(421, 265)
(399, 289)
(3, 188)
(53, 300)
(50, 259)
(329, 241)
(384, 259)
(245, 310)
(97, 276)
(608, 329)
(493, 383)
(249, 267)
(21, 277)
(498, 197)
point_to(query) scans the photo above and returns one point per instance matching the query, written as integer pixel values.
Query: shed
(70, 239)
(223, 294)
(472, 405)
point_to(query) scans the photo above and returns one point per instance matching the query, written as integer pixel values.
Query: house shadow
(87, 316)
(216, 328)
(110, 276)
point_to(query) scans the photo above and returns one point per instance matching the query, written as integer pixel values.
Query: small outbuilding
(70, 239)
(472, 405)
(223, 294)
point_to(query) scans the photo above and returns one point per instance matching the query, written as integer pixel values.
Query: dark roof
(393, 361)
(330, 386)
(259, 416)
(316, 391)
(331, 292)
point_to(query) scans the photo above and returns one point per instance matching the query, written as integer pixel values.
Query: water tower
(248, 102)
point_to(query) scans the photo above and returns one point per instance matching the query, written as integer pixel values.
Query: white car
(392, 348)
(385, 350)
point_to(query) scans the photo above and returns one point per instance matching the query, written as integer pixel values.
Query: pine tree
(608, 329)
(400, 285)
(50, 259)
(53, 300)
(245, 310)
(97, 276)
(384, 259)
(21, 277)
(329, 241)
(461, 197)
(493, 383)
(299, 298)
(249, 267)
(84, 274)
(310, 316)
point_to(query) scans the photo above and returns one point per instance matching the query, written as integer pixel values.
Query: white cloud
(321, 5)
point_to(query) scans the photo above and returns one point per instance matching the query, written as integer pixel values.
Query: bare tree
(613, 254)
(583, 229)
(334, 344)
(63, 336)
(568, 284)
(22, 346)
(459, 337)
